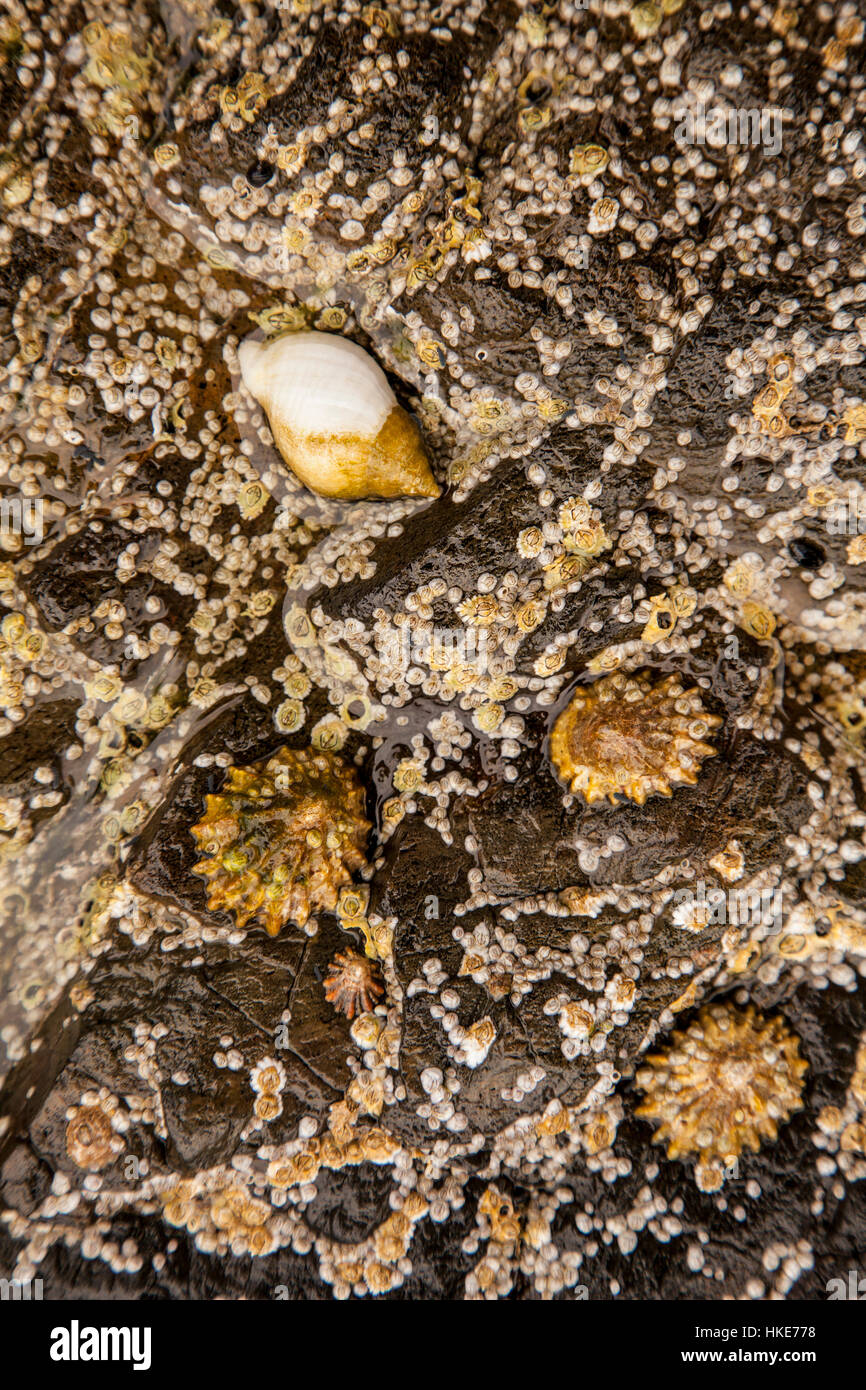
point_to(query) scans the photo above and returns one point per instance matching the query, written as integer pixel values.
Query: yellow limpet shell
(626, 735)
(722, 1086)
(335, 419)
(282, 837)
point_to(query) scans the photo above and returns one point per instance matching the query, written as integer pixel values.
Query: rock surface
(638, 363)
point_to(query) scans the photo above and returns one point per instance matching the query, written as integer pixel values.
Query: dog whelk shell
(334, 417)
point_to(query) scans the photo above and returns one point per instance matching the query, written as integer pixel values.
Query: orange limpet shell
(624, 735)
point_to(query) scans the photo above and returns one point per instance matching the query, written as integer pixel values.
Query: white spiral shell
(334, 418)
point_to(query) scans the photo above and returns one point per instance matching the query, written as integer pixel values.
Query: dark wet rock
(81, 572)
(29, 256)
(466, 539)
(242, 993)
(526, 1036)
(350, 1204)
(317, 1033)
(25, 1180)
(28, 1080)
(528, 844)
(40, 742)
(466, 536)
(166, 852)
(98, 1058)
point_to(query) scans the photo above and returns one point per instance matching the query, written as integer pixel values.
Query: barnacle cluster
(722, 1087)
(226, 1216)
(841, 1129)
(632, 736)
(267, 1079)
(282, 837)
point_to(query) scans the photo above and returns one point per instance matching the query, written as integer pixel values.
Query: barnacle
(625, 734)
(479, 611)
(536, 118)
(723, 1085)
(646, 20)
(291, 158)
(379, 16)
(88, 1138)
(588, 159)
(166, 156)
(665, 612)
(11, 44)
(477, 1042)
(588, 540)
(252, 499)
(267, 1079)
(16, 183)
(246, 99)
(566, 569)
(758, 620)
(603, 215)
(353, 984)
(552, 408)
(574, 513)
(92, 1140)
(113, 61)
(282, 837)
(228, 1215)
(847, 710)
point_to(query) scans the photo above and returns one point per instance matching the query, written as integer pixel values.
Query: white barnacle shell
(334, 418)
